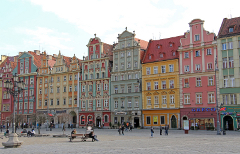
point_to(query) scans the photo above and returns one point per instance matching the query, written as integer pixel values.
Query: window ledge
(198, 86)
(186, 104)
(199, 103)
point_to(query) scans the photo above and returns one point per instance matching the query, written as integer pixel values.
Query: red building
(198, 51)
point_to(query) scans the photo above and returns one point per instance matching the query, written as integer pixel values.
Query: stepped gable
(229, 23)
(37, 58)
(166, 47)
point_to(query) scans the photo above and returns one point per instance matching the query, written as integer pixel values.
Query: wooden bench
(83, 137)
(22, 134)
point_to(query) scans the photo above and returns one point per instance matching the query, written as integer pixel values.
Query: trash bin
(224, 132)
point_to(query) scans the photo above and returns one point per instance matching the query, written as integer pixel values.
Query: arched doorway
(74, 118)
(173, 122)
(98, 121)
(228, 123)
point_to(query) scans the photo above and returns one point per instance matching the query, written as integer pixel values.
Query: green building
(229, 72)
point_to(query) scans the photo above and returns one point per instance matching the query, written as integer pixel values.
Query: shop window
(148, 120)
(155, 120)
(115, 120)
(90, 120)
(82, 120)
(162, 120)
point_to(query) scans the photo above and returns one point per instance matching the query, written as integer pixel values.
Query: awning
(50, 114)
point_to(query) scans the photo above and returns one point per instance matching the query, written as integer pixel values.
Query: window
(122, 65)
(230, 29)
(155, 68)
(136, 88)
(97, 75)
(148, 85)
(163, 69)
(225, 81)
(116, 78)
(129, 89)
(82, 120)
(162, 119)
(230, 45)
(186, 83)
(116, 90)
(83, 104)
(45, 102)
(148, 120)
(122, 89)
(171, 84)
(75, 100)
(186, 68)
(156, 100)
(57, 101)
(122, 54)
(90, 87)
(103, 75)
(129, 53)
(51, 90)
(129, 76)
(172, 100)
(149, 57)
(46, 90)
(186, 55)
(164, 99)
(198, 81)
(51, 102)
(75, 77)
(225, 99)
(25, 105)
(115, 104)
(129, 103)
(161, 55)
(21, 105)
(198, 67)
(70, 88)
(86, 77)
(149, 100)
(155, 85)
(197, 37)
(58, 89)
(155, 121)
(186, 98)
(197, 53)
(75, 88)
(209, 51)
(122, 77)
(98, 103)
(122, 105)
(136, 103)
(26, 81)
(199, 98)
(210, 80)
(211, 98)
(31, 92)
(116, 67)
(98, 87)
(224, 46)
(231, 62)
(209, 66)
(26, 93)
(174, 53)
(40, 81)
(105, 86)
(170, 68)
(58, 79)
(136, 76)
(70, 101)
(64, 78)
(164, 85)
(105, 103)
(224, 62)
(231, 80)
(83, 88)
(129, 65)
(122, 45)
(148, 70)
(135, 64)
(46, 80)
(233, 99)
(91, 76)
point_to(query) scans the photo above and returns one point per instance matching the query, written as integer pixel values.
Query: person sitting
(94, 137)
(24, 131)
(6, 134)
(74, 132)
(33, 132)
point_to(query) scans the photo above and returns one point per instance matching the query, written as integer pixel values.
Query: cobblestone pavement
(137, 141)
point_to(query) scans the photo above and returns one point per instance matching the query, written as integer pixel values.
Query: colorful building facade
(58, 82)
(126, 98)
(161, 83)
(229, 78)
(94, 92)
(197, 55)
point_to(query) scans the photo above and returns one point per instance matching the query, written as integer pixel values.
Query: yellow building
(160, 83)
(60, 83)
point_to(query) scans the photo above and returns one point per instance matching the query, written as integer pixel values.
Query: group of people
(166, 128)
(91, 135)
(29, 133)
(122, 127)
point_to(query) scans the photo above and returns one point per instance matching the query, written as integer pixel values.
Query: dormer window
(170, 44)
(158, 46)
(161, 55)
(173, 53)
(230, 29)
(149, 57)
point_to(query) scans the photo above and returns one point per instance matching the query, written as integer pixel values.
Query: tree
(40, 118)
(64, 118)
(18, 118)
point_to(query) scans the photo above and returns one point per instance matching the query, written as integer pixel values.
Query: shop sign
(203, 109)
(155, 119)
(121, 113)
(227, 113)
(238, 114)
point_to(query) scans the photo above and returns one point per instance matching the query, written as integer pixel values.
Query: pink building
(197, 55)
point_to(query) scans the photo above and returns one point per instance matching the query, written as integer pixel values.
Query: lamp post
(218, 124)
(13, 87)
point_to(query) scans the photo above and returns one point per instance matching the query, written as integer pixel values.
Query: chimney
(49, 57)
(37, 52)
(54, 55)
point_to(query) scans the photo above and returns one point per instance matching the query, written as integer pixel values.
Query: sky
(67, 25)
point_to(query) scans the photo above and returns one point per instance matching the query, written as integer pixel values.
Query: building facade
(126, 98)
(95, 84)
(6, 69)
(160, 81)
(58, 82)
(228, 44)
(197, 55)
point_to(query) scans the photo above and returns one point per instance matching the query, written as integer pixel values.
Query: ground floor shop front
(132, 117)
(199, 118)
(230, 117)
(99, 119)
(161, 117)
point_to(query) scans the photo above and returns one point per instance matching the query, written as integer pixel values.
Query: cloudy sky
(67, 25)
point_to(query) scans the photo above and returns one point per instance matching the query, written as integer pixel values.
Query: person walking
(123, 129)
(119, 130)
(166, 129)
(160, 130)
(152, 131)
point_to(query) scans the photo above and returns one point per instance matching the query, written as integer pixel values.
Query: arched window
(90, 119)
(82, 120)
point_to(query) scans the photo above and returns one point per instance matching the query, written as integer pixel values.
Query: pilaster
(191, 61)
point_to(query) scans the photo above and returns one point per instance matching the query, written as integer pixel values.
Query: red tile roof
(37, 58)
(143, 44)
(164, 49)
(67, 60)
(229, 23)
(13, 64)
(108, 49)
(7, 60)
(51, 63)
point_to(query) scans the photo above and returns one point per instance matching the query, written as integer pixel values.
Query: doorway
(228, 123)
(173, 122)
(136, 122)
(74, 118)
(98, 122)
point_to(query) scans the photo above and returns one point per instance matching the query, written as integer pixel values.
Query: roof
(13, 64)
(143, 44)
(108, 49)
(51, 63)
(67, 61)
(9, 59)
(229, 23)
(37, 58)
(157, 47)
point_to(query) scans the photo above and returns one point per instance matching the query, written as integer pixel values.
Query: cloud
(47, 38)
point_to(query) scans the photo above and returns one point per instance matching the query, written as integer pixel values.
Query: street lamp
(218, 124)
(13, 87)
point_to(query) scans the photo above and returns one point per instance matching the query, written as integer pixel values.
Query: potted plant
(192, 127)
(212, 128)
(196, 127)
(110, 124)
